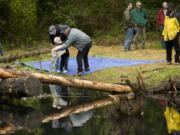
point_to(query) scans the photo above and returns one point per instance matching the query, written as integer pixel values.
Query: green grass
(153, 74)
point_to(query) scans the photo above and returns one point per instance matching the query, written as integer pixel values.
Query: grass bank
(153, 74)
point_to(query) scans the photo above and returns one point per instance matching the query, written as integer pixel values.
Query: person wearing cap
(128, 27)
(55, 32)
(160, 20)
(82, 42)
(140, 20)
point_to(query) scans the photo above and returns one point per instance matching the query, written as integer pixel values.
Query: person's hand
(57, 48)
(54, 53)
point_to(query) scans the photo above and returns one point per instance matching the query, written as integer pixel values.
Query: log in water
(64, 112)
(66, 81)
(24, 55)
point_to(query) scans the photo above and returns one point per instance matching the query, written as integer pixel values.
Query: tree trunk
(5, 59)
(65, 81)
(83, 107)
(20, 87)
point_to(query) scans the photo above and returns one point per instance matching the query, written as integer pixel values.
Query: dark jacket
(174, 13)
(139, 17)
(127, 19)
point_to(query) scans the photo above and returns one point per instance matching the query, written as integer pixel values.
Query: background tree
(28, 20)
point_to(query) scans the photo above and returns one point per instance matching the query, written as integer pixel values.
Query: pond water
(42, 119)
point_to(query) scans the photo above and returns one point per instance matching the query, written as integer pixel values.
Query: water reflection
(129, 125)
(160, 117)
(61, 99)
(173, 120)
(171, 114)
(74, 120)
(60, 96)
(17, 118)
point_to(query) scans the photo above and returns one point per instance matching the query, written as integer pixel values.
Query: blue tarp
(96, 64)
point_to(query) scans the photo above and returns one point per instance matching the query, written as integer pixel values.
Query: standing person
(171, 33)
(82, 42)
(160, 20)
(139, 19)
(128, 26)
(54, 32)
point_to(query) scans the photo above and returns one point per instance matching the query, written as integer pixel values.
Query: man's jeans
(163, 44)
(140, 31)
(128, 39)
(82, 56)
(63, 61)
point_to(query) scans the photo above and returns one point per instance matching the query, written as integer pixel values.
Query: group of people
(135, 20)
(70, 37)
(168, 21)
(135, 24)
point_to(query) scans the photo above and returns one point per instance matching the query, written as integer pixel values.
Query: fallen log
(164, 99)
(171, 85)
(6, 59)
(21, 87)
(85, 107)
(65, 81)
(128, 107)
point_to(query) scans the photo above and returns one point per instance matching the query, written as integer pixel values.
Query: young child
(60, 56)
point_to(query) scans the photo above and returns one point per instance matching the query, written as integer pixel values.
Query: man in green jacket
(139, 19)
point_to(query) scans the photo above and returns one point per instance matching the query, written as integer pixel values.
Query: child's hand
(54, 53)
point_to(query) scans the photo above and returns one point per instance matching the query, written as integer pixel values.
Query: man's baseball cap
(138, 3)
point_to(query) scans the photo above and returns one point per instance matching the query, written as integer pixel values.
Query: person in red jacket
(160, 20)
